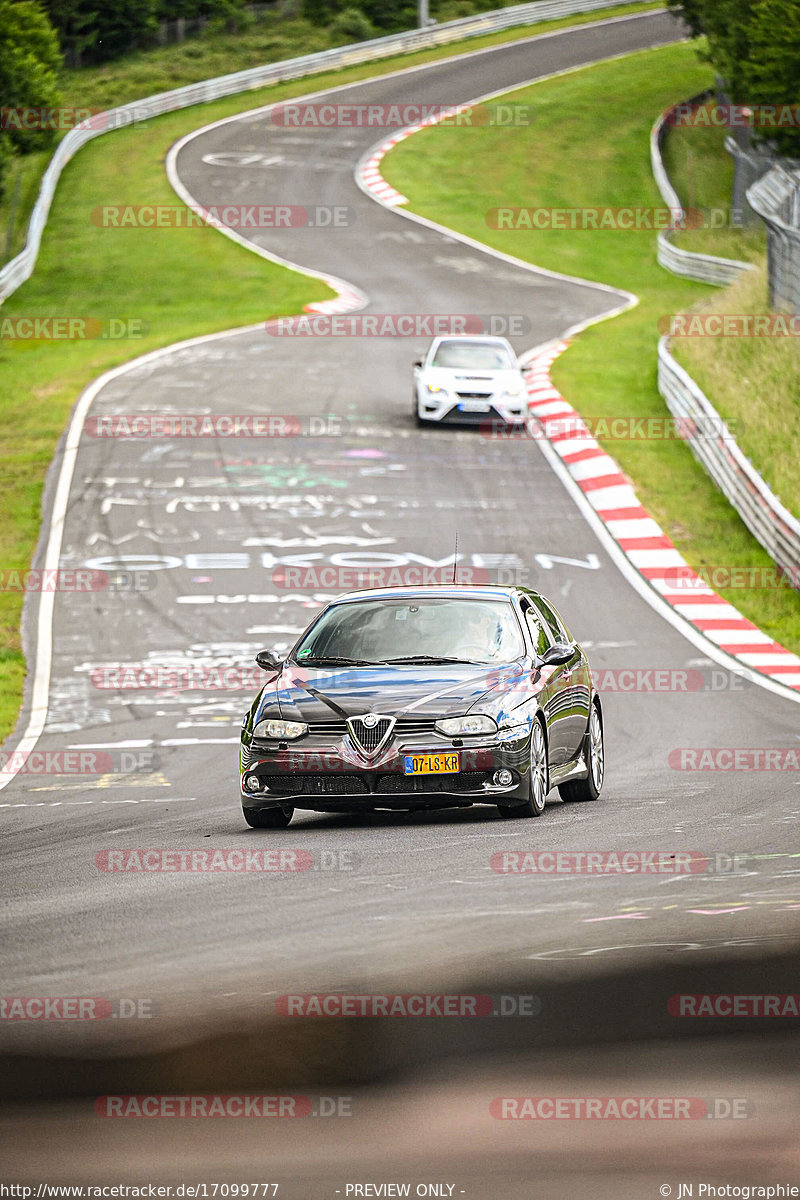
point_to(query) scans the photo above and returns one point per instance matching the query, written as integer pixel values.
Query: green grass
(589, 146)
(701, 171)
(22, 188)
(271, 40)
(153, 71)
(180, 284)
(755, 384)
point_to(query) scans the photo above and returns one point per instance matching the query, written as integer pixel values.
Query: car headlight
(514, 390)
(432, 387)
(466, 726)
(283, 731)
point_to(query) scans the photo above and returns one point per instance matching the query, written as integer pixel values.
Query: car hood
(465, 380)
(423, 690)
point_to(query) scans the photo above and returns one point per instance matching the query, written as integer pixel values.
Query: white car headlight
(283, 731)
(466, 726)
(514, 390)
(433, 387)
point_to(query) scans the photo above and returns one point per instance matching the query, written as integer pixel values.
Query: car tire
(268, 818)
(594, 754)
(539, 781)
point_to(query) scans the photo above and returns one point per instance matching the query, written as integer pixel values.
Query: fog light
(502, 778)
(252, 783)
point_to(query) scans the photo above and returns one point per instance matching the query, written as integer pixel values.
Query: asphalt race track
(207, 522)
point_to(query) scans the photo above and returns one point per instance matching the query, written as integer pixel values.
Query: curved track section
(214, 522)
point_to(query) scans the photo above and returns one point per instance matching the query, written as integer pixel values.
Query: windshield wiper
(433, 658)
(335, 660)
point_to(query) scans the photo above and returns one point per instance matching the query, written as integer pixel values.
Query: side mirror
(557, 654)
(418, 363)
(268, 661)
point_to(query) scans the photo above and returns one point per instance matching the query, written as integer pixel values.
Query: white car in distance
(469, 381)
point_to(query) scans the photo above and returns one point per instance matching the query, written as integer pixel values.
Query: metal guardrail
(21, 268)
(774, 526)
(703, 268)
(776, 199)
(710, 441)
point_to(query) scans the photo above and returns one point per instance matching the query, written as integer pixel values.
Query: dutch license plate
(430, 764)
(478, 406)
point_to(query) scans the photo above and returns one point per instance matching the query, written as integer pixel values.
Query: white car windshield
(415, 629)
(469, 356)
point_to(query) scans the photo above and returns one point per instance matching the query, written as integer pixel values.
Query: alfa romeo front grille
(370, 732)
(404, 727)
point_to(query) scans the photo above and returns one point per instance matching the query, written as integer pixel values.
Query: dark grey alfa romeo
(417, 698)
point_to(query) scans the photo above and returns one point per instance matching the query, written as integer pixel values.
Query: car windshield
(481, 356)
(423, 629)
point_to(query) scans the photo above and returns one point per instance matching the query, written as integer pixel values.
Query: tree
(691, 11)
(100, 30)
(772, 72)
(76, 24)
(123, 26)
(29, 63)
(754, 45)
(391, 16)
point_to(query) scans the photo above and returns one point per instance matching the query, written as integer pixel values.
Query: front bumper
(446, 411)
(327, 777)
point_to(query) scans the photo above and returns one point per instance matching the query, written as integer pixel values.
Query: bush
(351, 25)
(29, 62)
(755, 47)
(6, 160)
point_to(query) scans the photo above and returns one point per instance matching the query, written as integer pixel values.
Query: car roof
(455, 591)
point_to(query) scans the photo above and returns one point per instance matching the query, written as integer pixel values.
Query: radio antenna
(455, 559)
